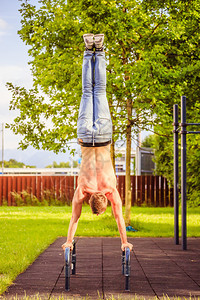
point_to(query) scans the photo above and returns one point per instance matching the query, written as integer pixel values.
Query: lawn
(26, 231)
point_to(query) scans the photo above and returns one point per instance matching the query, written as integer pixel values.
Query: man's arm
(76, 212)
(116, 203)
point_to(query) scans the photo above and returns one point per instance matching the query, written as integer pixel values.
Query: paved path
(158, 267)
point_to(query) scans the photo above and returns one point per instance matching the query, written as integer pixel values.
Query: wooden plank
(71, 187)
(64, 191)
(142, 188)
(38, 187)
(151, 190)
(119, 187)
(57, 187)
(9, 179)
(19, 184)
(67, 186)
(161, 200)
(133, 190)
(167, 194)
(53, 187)
(62, 188)
(14, 189)
(123, 188)
(1, 190)
(43, 187)
(24, 183)
(148, 190)
(164, 193)
(5, 188)
(28, 184)
(138, 191)
(47, 188)
(33, 185)
(156, 191)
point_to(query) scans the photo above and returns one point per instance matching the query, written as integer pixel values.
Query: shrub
(25, 198)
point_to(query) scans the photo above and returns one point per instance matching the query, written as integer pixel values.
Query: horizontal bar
(186, 124)
(193, 124)
(193, 132)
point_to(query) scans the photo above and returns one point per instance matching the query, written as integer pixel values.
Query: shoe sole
(88, 42)
(98, 40)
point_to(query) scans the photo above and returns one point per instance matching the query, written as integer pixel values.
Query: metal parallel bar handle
(67, 269)
(127, 269)
(123, 262)
(74, 259)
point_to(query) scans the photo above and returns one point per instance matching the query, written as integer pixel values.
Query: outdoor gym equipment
(183, 125)
(126, 267)
(70, 265)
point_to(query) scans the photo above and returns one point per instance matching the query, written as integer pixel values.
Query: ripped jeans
(94, 127)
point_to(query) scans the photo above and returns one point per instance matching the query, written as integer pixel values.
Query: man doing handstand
(96, 181)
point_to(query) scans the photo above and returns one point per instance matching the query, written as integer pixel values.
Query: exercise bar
(67, 269)
(70, 264)
(126, 267)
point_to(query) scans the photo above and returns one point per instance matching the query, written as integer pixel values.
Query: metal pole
(74, 259)
(183, 172)
(123, 262)
(127, 270)
(176, 186)
(2, 148)
(67, 269)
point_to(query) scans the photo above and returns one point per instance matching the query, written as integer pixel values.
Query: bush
(194, 199)
(25, 198)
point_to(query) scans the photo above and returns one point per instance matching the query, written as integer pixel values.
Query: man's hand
(67, 245)
(125, 245)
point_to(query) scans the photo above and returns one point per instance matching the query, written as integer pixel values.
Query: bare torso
(96, 172)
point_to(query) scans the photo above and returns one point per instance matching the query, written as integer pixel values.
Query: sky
(13, 63)
(14, 68)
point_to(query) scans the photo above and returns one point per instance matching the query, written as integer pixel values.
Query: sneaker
(98, 42)
(89, 41)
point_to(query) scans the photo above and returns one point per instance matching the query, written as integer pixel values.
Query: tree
(152, 50)
(63, 164)
(12, 163)
(148, 141)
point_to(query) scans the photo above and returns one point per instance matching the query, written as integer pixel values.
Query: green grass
(26, 231)
(120, 297)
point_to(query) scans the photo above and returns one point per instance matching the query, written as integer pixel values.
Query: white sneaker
(89, 41)
(98, 41)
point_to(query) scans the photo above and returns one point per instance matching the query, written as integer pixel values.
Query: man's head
(98, 203)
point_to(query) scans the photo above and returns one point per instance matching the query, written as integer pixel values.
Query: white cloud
(15, 73)
(18, 75)
(3, 27)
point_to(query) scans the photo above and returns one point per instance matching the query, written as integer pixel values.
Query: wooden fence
(148, 190)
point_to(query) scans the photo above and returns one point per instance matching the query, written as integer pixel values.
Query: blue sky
(13, 62)
(14, 68)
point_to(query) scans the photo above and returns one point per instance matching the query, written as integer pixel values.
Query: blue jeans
(94, 127)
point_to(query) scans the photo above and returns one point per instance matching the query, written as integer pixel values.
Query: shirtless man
(97, 181)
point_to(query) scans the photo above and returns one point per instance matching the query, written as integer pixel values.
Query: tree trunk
(128, 168)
